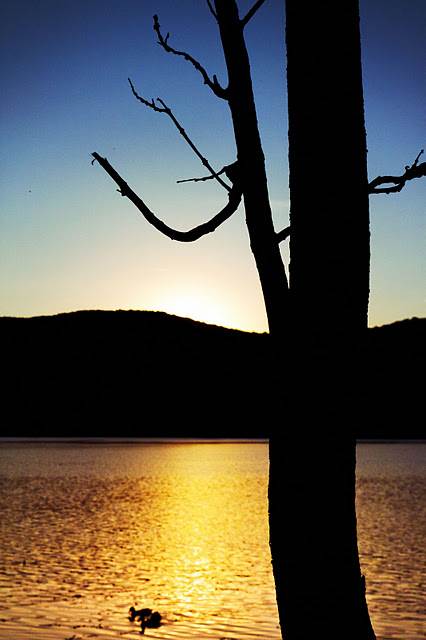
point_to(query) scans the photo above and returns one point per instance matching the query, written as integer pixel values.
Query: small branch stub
(283, 235)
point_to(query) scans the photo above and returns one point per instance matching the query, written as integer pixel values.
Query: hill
(145, 373)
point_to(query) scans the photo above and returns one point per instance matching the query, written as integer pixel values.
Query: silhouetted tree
(318, 326)
(313, 523)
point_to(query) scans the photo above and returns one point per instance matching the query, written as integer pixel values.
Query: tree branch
(213, 12)
(251, 13)
(213, 84)
(165, 109)
(235, 196)
(415, 171)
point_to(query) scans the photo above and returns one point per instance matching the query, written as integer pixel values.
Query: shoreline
(158, 440)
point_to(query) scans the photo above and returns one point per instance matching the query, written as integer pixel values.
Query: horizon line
(174, 315)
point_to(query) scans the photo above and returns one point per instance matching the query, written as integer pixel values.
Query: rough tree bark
(320, 590)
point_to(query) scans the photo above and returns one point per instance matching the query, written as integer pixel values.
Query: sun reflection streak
(179, 529)
(207, 562)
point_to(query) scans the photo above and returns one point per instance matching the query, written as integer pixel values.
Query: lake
(88, 530)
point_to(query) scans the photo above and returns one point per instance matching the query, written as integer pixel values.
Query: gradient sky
(69, 241)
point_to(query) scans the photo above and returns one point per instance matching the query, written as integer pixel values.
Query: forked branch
(415, 171)
(214, 85)
(235, 195)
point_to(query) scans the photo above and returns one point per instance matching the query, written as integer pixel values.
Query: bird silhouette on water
(139, 614)
(149, 619)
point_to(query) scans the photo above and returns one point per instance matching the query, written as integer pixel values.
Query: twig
(213, 84)
(231, 171)
(235, 196)
(204, 179)
(415, 171)
(251, 13)
(165, 109)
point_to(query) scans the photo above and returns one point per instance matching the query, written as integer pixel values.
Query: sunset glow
(69, 241)
(197, 307)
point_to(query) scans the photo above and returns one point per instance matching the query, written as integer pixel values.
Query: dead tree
(248, 176)
(317, 330)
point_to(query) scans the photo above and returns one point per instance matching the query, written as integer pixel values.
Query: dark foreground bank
(144, 373)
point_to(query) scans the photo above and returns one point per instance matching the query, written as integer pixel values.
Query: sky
(69, 241)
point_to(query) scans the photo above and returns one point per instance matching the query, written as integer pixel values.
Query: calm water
(88, 530)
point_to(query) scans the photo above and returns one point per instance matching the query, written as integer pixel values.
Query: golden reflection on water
(211, 537)
(182, 529)
(87, 531)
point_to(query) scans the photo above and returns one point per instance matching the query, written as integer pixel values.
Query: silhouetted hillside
(129, 373)
(145, 373)
(396, 380)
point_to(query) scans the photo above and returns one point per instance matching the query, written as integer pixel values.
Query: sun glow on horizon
(224, 303)
(197, 307)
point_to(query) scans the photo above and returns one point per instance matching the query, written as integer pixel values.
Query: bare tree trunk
(251, 161)
(320, 590)
(329, 214)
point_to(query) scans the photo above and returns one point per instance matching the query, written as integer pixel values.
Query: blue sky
(69, 241)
